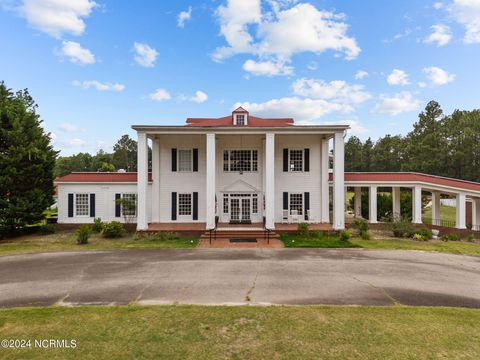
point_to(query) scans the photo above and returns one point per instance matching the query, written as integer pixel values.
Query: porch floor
(279, 227)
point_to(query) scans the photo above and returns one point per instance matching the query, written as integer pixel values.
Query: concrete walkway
(241, 276)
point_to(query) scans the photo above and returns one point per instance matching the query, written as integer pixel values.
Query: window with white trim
(225, 203)
(185, 160)
(296, 203)
(240, 160)
(296, 160)
(240, 119)
(82, 205)
(184, 204)
(129, 204)
(254, 204)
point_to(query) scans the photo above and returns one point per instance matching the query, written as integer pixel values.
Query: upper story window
(185, 160)
(240, 119)
(240, 160)
(82, 205)
(296, 160)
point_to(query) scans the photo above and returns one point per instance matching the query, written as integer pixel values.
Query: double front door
(241, 207)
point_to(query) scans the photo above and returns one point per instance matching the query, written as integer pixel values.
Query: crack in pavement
(379, 289)
(250, 290)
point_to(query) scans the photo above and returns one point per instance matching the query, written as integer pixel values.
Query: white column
(436, 208)
(476, 214)
(396, 208)
(338, 182)
(324, 186)
(142, 181)
(372, 205)
(417, 205)
(156, 181)
(270, 180)
(210, 190)
(461, 211)
(358, 202)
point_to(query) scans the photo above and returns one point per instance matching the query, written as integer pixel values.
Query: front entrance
(239, 208)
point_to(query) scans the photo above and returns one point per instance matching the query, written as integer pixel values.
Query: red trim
(104, 177)
(228, 121)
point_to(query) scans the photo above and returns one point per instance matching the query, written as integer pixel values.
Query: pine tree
(26, 162)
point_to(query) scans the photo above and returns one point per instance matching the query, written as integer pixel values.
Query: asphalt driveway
(241, 276)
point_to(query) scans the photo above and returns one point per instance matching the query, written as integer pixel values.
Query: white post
(156, 181)
(396, 208)
(436, 208)
(476, 214)
(417, 205)
(338, 182)
(142, 181)
(324, 186)
(210, 191)
(270, 180)
(372, 205)
(358, 202)
(461, 211)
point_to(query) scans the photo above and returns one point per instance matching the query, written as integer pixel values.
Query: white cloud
(160, 95)
(183, 17)
(337, 90)
(87, 84)
(56, 17)
(299, 109)
(282, 32)
(422, 84)
(438, 76)
(70, 128)
(76, 142)
(438, 5)
(76, 54)
(268, 68)
(312, 66)
(361, 74)
(199, 97)
(398, 77)
(467, 13)
(396, 104)
(441, 34)
(145, 55)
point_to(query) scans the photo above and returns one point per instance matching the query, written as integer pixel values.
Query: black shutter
(195, 159)
(174, 159)
(92, 205)
(307, 204)
(306, 160)
(174, 206)
(195, 206)
(70, 205)
(285, 201)
(285, 159)
(118, 205)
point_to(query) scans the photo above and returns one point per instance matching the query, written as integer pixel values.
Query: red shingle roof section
(101, 177)
(228, 121)
(410, 177)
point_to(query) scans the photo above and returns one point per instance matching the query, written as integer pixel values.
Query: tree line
(439, 144)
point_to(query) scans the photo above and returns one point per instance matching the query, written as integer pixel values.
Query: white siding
(104, 200)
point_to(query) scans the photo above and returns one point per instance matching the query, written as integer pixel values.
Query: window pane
(184, 204)
(296, 203)
(240, 119)
(225, 160)
(255, 204)
(296, 160)
(225, 203)
(240, 160)
(129, 204)
(185, 160)
(254, 160)
(81, 205)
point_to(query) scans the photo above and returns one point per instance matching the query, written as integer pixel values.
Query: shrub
(345, 235)
(161, 236)
(303, 228)
(97, 226)
(365, 235)
(83, 233)
(471, 238)
(113, 229)
(360, 225)
(451, 237)
(403, 228)
(425, 233)
(46, 229)
(418, 237)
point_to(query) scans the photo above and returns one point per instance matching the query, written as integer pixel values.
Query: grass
(216, 332)
(319, 240)
(447, 213)
(66, 240)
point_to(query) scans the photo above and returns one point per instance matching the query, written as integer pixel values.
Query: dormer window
(240, 119)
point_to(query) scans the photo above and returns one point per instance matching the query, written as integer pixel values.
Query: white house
(244, 169)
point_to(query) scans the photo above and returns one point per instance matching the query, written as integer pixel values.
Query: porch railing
(213, 231)
(440, 222)
(266, 231)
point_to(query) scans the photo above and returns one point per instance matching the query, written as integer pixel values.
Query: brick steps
(239, 234)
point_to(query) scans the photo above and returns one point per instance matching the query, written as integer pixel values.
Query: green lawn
(447, 213)
(247, 332)
(66, 240)
(332, 241)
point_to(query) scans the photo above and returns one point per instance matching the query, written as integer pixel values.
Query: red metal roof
(410, 177)
(228, 121)
(101, 177)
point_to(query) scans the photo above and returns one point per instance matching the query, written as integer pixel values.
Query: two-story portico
(240, 169)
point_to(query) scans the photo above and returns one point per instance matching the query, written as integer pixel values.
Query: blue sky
(97, 67)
